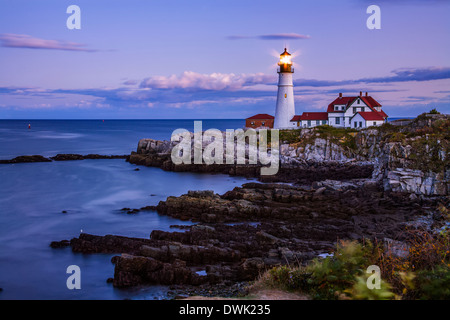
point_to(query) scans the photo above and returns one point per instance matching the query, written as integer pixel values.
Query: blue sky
(139, 59)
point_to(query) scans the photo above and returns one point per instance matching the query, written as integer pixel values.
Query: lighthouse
(285, 109)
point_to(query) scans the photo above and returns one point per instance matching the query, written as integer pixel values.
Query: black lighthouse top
(285, 62)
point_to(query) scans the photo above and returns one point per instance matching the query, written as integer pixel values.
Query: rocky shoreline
(352, 187)
(242, 233)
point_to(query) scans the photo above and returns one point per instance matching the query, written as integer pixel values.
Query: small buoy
(29, 126)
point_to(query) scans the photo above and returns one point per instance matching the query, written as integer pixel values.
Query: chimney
(360, 93)
(340, 94)
(367, 94)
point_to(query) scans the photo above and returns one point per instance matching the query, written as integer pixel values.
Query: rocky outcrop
(67, 157)
(417, 181)
(25, 159)
(251, 228)
(61, 157)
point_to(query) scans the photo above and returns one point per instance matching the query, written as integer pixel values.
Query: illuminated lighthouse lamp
(285, 62)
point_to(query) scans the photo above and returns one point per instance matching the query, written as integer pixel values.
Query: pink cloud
(11, 40)
(213, 81)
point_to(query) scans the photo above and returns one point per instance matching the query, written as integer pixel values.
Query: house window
(362, 109)
(355, 124)
(336, 108)
(309, 123)
(324, 121)
(263, 123)
(360, 124)
(354, 110)
(252, 123)
(338, 120)
(374, 123)
(359, 101)
(342, 108)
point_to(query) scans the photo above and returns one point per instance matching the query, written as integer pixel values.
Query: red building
(261, 120)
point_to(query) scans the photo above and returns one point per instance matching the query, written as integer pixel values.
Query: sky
(217, 59)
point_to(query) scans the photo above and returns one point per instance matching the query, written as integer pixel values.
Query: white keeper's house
(346, 112)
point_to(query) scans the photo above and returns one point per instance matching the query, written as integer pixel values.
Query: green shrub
(360, 290)
(434, 284)
(333, 275)
(434, 111)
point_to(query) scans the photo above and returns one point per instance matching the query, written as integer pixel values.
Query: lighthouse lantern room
(285, 109)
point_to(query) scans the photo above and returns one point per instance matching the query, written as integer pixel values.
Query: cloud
(10, 40)
(190, 80)
(275, 36)
(399, 75)
(411, 74)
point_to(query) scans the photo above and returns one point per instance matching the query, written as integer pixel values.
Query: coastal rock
(133, 270)
(294, 225)
(25, 159)
(72, 156)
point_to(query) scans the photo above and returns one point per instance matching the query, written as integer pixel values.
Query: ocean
(52, 201)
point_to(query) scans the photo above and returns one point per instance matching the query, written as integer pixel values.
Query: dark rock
(66, 157)
(71, 156)
(60, 244)
(133, 270)
(295, 224)
(25, 159)
(148, 208)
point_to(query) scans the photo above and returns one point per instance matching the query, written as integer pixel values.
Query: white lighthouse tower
(285, 109)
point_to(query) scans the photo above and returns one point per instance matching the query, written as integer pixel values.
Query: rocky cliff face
(412, 158)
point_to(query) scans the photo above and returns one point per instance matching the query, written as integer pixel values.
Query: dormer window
(336, 108)
(342, 108)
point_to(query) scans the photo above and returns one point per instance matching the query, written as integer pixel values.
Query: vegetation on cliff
(418, 270)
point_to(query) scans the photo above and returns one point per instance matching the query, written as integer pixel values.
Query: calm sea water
(33, 196)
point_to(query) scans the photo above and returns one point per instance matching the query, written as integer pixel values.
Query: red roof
(262, 116)
(372, 116)
(296, 118)
(368, 100)
(312, 116)
(340, 101)
(371, 102)
(383, 114)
